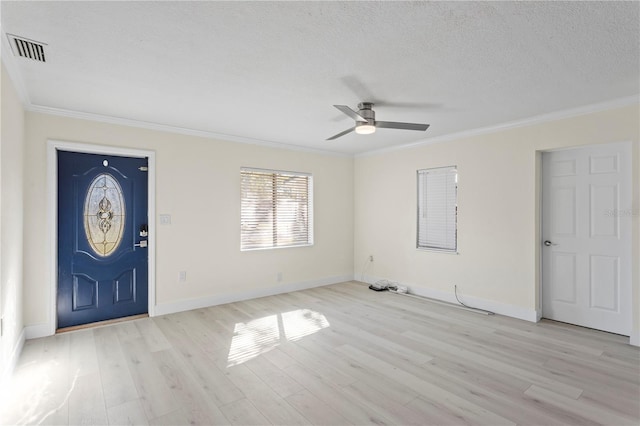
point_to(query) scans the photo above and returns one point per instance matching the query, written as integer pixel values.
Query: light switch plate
(165, 219)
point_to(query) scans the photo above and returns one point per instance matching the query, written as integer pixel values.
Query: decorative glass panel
(104, 214)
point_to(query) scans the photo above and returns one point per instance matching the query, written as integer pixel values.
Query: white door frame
(634, 339)
(53, 146)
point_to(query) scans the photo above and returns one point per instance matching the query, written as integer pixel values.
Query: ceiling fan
(366, 121)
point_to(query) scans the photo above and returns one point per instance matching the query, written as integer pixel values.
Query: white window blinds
(276, 209)
(437, 208)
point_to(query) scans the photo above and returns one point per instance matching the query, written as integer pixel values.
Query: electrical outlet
(279, 276)
(370, 258)
(183, 276)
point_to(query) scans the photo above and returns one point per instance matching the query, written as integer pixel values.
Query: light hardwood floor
(335, 355)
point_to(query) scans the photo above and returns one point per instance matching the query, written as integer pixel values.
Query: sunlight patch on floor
(35, 394)
(263, 334)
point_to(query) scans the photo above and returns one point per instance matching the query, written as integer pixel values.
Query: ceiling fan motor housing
(366, 111)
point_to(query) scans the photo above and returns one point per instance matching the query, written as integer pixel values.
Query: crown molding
(543, 118)
(538, 119)
(176, 129)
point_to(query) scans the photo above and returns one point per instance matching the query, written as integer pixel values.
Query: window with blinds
(437, 208)
(276, 209)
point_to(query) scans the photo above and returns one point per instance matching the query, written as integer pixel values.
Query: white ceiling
(271, 71)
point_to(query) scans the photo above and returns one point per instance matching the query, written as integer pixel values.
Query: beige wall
(498, 221)
(11, 216)
(363, 206)
(198, 183)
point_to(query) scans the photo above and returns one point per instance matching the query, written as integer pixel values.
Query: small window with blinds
(276, 209)
(438, 209)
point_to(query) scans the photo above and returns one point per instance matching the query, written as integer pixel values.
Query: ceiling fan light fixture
(365, 128)
(366, 123)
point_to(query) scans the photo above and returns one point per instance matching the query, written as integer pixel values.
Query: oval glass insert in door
(104, 215)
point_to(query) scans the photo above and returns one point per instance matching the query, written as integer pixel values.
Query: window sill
(276, 248)
(437, 250)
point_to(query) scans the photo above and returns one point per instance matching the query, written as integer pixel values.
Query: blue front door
(102, 236)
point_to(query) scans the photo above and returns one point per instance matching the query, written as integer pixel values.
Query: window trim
(310, 204)
(434, 248)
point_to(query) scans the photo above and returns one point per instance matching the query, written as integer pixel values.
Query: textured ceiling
(271, 71)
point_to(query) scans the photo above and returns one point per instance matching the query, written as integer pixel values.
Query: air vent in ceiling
(26, 48)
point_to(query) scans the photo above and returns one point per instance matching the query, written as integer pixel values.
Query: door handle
(143, 243)
(549, 243)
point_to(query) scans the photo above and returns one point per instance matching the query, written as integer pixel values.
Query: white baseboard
(490, 305)
(190, 304)
(38, 330)
(43, 330)
(634, 339)
(13, 361)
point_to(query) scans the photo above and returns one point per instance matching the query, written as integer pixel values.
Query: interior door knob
(548, 243)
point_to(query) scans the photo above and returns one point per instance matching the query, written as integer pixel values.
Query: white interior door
(586, 237)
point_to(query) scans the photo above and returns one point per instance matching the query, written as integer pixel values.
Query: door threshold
(100, 323)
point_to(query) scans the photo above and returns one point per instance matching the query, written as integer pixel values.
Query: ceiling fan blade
(404, 126)
(351, 113)
(341, 134)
